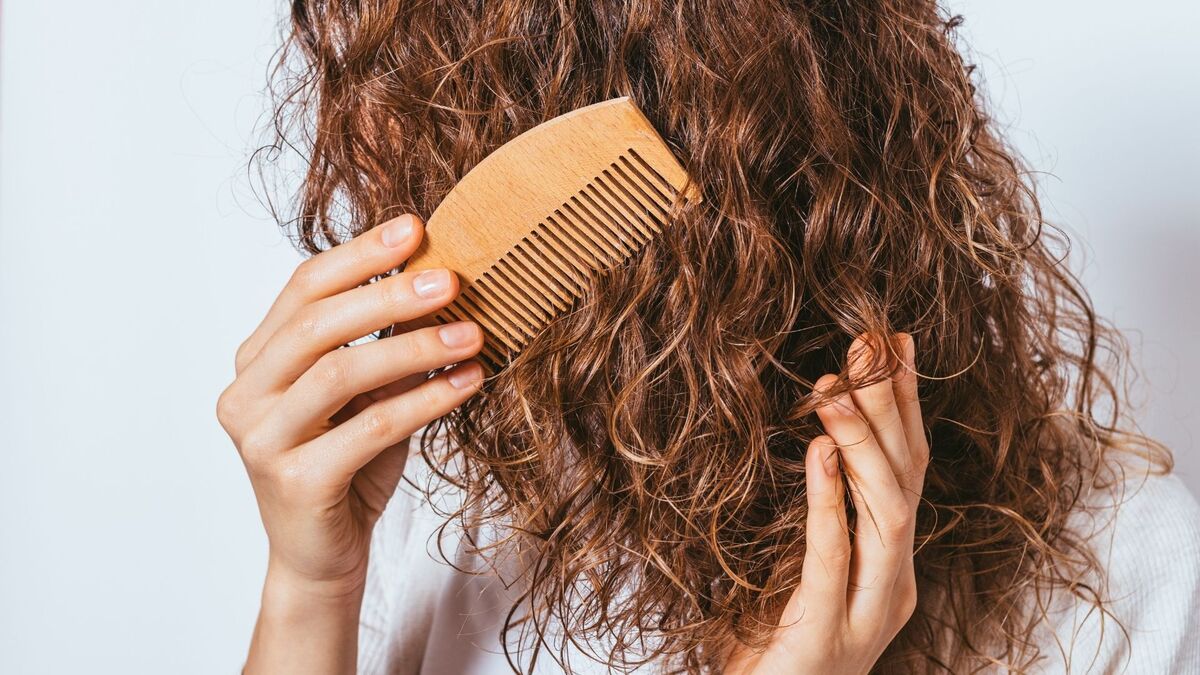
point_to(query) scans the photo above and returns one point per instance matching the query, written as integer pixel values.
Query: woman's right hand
(323, 430)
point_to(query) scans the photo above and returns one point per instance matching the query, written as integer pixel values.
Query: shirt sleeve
(1147, 537)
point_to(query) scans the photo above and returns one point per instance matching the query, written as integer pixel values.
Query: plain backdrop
(134, 257)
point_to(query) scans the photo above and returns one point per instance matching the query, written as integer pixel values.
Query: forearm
(305, 627)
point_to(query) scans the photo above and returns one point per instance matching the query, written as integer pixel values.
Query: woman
(850, 414)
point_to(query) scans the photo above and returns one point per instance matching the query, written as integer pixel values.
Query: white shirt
(420, 615)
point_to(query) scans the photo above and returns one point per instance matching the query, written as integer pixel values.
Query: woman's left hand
(854, 596)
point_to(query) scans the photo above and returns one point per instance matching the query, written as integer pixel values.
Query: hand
(853, 598)
(323, 429)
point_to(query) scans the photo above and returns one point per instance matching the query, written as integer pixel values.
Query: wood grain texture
(528, 226)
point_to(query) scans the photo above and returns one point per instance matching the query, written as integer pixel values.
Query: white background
(134, 258)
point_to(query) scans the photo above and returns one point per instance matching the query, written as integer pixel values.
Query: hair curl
(648, 447)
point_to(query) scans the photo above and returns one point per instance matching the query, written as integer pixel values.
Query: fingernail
(431, 283)
(464, 375)
(458, 334)
(398, 231)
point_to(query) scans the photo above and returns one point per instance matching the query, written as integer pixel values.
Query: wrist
(286, 588)
(306, 625)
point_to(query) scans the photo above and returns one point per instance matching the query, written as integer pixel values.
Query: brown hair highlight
(647, 449)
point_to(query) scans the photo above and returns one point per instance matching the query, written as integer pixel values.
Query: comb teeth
(599, 227)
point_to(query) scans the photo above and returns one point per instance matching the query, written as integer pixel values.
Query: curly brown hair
(647, 449)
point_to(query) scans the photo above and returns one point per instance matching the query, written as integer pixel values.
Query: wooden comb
(527, 227)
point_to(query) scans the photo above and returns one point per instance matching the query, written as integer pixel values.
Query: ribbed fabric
(1147, 535)
(422, 616)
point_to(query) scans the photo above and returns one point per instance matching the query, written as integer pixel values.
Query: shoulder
(1144, 529)
(1156, 527)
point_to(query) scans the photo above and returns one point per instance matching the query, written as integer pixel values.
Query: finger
(349, 446)
(904, 595)
(329, 323)
(394, 388)
(908, 405)
(824, 574)
(339, 269)
(878, 405)
(881, 521)
(908, 402)
(342, 374)
(817, 608)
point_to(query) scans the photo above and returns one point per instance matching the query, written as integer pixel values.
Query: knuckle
(306, 277)
(392, 291)
(406, 347)
(307, 325)
(881, 409)
(886, 411)
(922, 455)
(431, 397)
(256, 447)
(905, 391)
(241, 358)
(918, 460)
(378, 423)
(228, 408)
(837, 552)
(871, 400)
(906, 598)
(332, 371)
(295, 475)
(892, 534)
(894, 529)
(920, 467)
